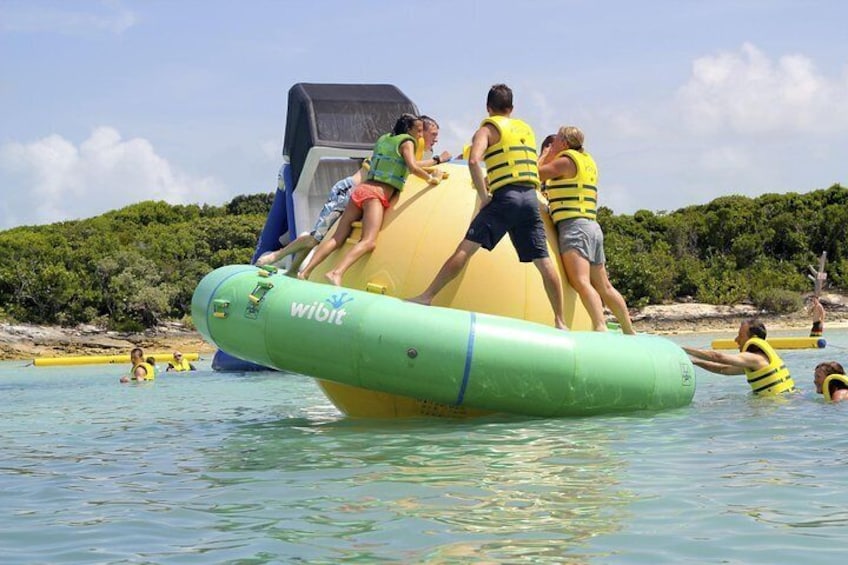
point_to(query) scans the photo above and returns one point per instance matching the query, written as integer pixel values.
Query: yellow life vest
(181, 365)
(772, 379)
(419, 148)
(151, 370)
(512, 160)
(833, 379)
(575, 197)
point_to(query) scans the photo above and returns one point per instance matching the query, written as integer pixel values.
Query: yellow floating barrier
(778, 343)
(106, 359)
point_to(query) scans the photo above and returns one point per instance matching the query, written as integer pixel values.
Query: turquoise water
(260, 468)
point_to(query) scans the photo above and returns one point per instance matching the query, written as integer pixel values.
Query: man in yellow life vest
(141, 369)
(179, 363)
(507, 191)
(757, 360)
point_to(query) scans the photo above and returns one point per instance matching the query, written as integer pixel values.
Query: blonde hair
(572, 136)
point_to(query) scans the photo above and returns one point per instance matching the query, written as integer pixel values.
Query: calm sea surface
(261, 468)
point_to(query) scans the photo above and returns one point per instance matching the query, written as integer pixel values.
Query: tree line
(133, 268)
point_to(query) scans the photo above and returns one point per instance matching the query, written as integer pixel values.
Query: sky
(105, 103)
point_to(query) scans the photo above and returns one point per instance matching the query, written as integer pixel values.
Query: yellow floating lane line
(778, 343)
(106, 359)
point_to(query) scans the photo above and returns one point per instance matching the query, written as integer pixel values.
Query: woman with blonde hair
(570, 176)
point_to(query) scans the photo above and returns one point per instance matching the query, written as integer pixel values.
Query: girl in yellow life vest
(391, 162)
(765, 371)
(570, 178)
(831, 381)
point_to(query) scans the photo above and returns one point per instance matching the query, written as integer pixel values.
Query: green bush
(777, 300)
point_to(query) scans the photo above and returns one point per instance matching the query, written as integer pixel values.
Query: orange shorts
(366, 191)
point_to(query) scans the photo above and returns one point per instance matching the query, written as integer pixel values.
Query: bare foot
(560, 325)
(334, 278)
(420, 299)
(302, 275)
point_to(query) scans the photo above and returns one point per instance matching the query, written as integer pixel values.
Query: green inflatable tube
(437, 354)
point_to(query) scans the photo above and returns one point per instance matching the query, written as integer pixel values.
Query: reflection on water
(508, 488)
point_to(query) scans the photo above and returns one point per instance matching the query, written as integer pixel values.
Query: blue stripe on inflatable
(469, 354)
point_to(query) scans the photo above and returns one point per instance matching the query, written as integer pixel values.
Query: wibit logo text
(320, 313)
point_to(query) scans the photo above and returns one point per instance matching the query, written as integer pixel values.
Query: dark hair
(499, 98)
(833, 368)
(428, 121)
(136, 351)
(548, 140)
(756, 328)
(404, 123)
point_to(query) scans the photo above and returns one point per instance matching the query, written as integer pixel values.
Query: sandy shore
(22, 341)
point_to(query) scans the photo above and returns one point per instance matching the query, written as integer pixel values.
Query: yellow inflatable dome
(420, 231)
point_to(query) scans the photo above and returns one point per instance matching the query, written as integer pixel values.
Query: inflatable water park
(486, 345)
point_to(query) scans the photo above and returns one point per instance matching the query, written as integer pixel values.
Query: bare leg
(448, 272)
(577, 269)
(611, 297)
(372, 221)
(553, 288)
(298, 259)
(350, 215)
(301, 241)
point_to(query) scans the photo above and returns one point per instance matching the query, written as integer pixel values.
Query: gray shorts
(585, 236)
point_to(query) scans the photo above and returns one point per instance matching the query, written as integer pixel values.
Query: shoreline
(27, 341)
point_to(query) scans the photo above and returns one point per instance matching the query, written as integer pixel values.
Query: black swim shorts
(514, 209)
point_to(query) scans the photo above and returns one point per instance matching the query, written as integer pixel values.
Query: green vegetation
(731, 250)
(127, 269)
(137, 266)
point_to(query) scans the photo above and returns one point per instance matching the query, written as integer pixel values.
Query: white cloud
(106, 16)
(53, 180)
(749, 93)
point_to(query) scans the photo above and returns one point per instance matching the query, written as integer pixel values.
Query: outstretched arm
(718, 368)
(742, 361)
(407, 151)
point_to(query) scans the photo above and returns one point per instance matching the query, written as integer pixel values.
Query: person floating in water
(830, 380)
(766, 372)
(179, 363)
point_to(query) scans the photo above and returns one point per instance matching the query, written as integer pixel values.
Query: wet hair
(572, 136)
(832, 368)
(405, 123)
(136, 352)
(756, 328)
(547, 141)
(150, 360)
(428, 122)
(499, 98)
